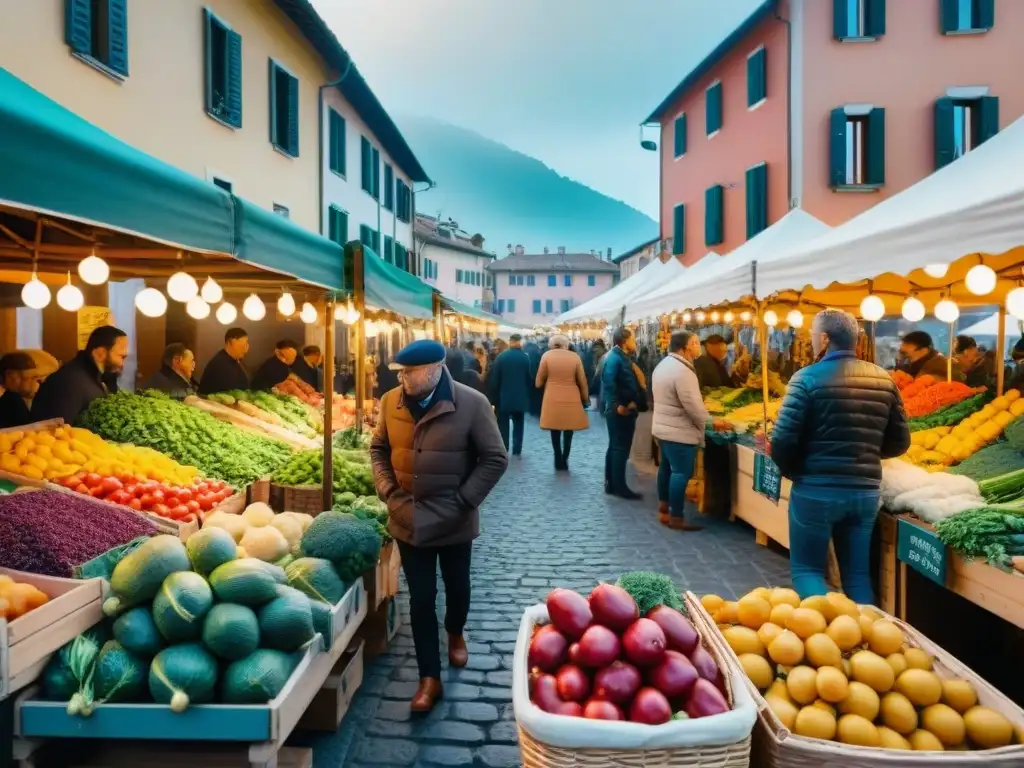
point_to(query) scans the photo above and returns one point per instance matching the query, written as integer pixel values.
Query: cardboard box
(331, 702)
(379, 629)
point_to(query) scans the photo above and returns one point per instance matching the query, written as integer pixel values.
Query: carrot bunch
(934, 397)
(901, 379)
(917, 386)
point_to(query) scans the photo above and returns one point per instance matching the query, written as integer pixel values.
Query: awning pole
(359, 289)
(952, 348)
(328, 473)
(1001, 351)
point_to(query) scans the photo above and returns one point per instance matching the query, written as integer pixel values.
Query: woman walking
(562, 412)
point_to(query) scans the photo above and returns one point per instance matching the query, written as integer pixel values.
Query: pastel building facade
(453, 261)
(634, 260)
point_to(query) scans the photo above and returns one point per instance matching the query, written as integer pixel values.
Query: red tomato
(119, 497)
(184, 494)
(189, 518)
(135, 504)
(71, 481)
(111, 484)
(92, 480)
(157, 494)
(82, 488)
(193, 506)
(170, 499)
(132, 489)
(124, 477)
(222, 494)
(160, 509)
(179, 511)
(147, 500)
(202, 487)
(149, 485)
(206, 501)
(97, 492)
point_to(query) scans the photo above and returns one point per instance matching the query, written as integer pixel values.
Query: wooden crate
(888, 565)
(382, 580)
(297, 498)
(37, 426)
(379, 629)
(330, 705)
(771, 521)
(27, 642)
(258, 491)
(172, 755)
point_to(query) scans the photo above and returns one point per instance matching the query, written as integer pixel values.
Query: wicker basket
(777, 747)
(297, 498)
(258, 491)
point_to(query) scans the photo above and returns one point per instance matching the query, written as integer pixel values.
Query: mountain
(509, 197)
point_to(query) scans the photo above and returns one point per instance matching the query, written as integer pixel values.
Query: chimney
(520, 251)
(609, 253)
(561, 250)
(546, 250)
(477, 240)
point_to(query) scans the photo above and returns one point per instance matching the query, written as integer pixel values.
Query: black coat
(510, 381)
(713, 374)
(170, 381)
(309, 374)
(68, 391)
(455, 361)
(14, 411)
(840, 417)
(270, 374)
(222, 373)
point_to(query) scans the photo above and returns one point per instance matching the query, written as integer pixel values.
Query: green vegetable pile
(1014, 433)
(651, 589)
(188, 435)
(304, 468)
(368, 508)
(1001, 489)
(995, 532)
(288, 408)
(350, 474)
(352, 438)
(951, 414)
(991, 461)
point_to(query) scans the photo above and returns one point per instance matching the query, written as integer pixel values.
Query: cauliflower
(258, 514)
(265, 543)
(290, 528)
(233, 524)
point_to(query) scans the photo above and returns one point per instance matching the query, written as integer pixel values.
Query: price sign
(767, 479)
(89, 319)
(922, 550)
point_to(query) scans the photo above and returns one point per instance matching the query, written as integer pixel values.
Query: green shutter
(273, 105)
(757, 83)
(292, 146)
(874, 15)
(333, 142)
(837, 148)
(208, 59)
(988, 118)
(713, 218)
(337, 225)
(840, 30)
(366, 153)
(375, 172)
(78, 26)
(389, 187)
(680, 136)
(986, 10)
(713, 107)
(117, 36)
(949, 16)
(945, 149)
(875, 147)
(679, 229)
(757, 199)
(234, 95)
(389, 250)
(366, 236)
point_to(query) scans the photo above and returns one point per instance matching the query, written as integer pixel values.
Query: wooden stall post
(1001, 351)
(438, 308)
(952, 349)
(328, 473)
(359, 289)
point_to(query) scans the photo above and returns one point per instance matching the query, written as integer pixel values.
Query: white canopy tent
(974, 205)
(719, 279)
(608, 305)
(990, 327)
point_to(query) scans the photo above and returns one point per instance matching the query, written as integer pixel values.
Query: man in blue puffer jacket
(623, 396)
(840, 418)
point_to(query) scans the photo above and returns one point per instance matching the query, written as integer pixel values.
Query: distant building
(634, 260)
(453, 261)
(532, 288)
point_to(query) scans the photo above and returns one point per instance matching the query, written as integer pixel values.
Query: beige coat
(565, 391)
(679, 412)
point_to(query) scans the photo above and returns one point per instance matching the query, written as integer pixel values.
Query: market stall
(607, 307)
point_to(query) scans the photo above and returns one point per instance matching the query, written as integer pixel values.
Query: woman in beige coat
(562, 411)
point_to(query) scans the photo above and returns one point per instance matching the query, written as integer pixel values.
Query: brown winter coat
(565, 391)
(434, 474)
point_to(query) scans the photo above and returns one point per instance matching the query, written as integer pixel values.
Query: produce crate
(347, 617)
(176, 755)
(331, 703)
(775, 746)
(163, 524)
(550, 741)
(771, 521)
(297, 498)
(23, 480)
(382, 580)
(380, 628)
(27, 642)
(258, 491)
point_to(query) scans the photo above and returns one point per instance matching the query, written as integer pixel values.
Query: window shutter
(757, 77)
(944, 140)
(713, 215)
(389, 187)
(839, 28)
(375, 170)
(679, 229)
(986, 10)
(332, 224)
(389, 250)
(78, 26)
(713, 105)
(949, 16)
(837, 148)
(680, 136)
(757, 200)
(234, 105)
(273, 102)
(332, 139)
(293, 117)
(874, 16)
(366, 159)
(988, 118)
(876, 147)
(117, 36)
(208, 59)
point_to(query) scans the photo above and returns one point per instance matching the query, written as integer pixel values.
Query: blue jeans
(845, 516)
(674, 474)
(517, 420)
(620, 443)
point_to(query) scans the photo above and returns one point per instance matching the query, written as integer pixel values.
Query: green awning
(267, 240)
(54, 162)
(468, 311)
(388, 287)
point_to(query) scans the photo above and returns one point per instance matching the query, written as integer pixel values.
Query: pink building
(832, 107)
(534, 288)
(452, 261)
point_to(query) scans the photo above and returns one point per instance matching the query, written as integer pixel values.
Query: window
(370, 173)
(97, 30)
(714, 215)
(336, 151)
(679, 229)
(501, 306)
(223, 71)
(536, 306)
(224, 184)
(531, 280)
(429, 269)
(389, 187)
(370, 238)
(963, 124)
(967, 16)
(680, 135)
(591, 281)
(284, 110)
(282, 211)
(337, 225)
(567, 281)
(566, 305)
(511, 279)
(511, 305)
(552, 281)
(713, 109)
(389, 250)
(549, 306)
(757, 77)
(858, 19)
(857, 148)
(401, 257)
(458, 275)
(519, 279)
(403, 201)
(757, 199)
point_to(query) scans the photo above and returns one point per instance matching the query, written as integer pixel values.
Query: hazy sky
(567, 81)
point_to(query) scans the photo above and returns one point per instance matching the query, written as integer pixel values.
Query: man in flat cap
(437, 453)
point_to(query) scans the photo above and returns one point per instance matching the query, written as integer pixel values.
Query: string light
(745, 316)
(771, 319)
(795, 318)
(1014, 302)
(286, 305)
(980, 280)
(93, 270)
(150, 302)
(197, 308)
(35, 293)
(936, 270)
(728, 317)
(181, 286)
(212, 293)
(947, 311)
(872, 308)
(226, 313)
(254, 308)
(308, 313)
(70, 297)
(913, 309)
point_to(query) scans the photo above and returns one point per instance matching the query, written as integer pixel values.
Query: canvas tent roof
(608, 305)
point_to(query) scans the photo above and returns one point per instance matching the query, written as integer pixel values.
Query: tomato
(147, 501)
(202, 487)
(132, 489)
(135, 504)
(71, 481)
(118, 497)
(179, 511)
(82, 488)
(189, 518)
(193, 506)
(149, 485)
(185, 494)
(111, 484)
(157, 494)
(160, 509)
(206, 501)
(97, 492)
(92, 480)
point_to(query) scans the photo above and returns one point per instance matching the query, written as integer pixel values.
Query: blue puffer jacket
(618, 382)
(840, 418)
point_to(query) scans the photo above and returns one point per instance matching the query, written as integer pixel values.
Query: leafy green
(288, 408)
(991, 461)
(1014, 433)
(1007, 487)
(352, 438)
(951, 414)
(650, 589)
(995, 532)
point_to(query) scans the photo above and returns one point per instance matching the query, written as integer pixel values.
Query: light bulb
(715, 317)
(1014, 302)
(947, 311)
(93, 270)
(181, 286)
(286, 305)
(771, 319)
(253, 308)
(197, 308)
(728, 317)
(687, 317)
(150, 302)
(35, 293)
(980, 280)
(226, 313)
(795, 318)
(308, 313)
(69, 297)
(913, 309)
(872, 308)
(936, 270)
(699, 317)
(212, 293)
(371, 328)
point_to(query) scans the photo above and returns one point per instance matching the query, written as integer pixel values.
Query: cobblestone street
(540, 530)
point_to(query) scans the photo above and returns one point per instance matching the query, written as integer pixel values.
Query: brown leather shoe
(427, 695)
(663, 518)
(663, 512)
(458, 654)
(679, 524)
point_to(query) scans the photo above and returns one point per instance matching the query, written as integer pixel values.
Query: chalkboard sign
(922, 550)
(767, 480)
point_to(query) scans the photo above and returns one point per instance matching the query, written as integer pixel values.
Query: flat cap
(419, 352)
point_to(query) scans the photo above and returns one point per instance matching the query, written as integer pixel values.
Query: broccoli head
(351, 544)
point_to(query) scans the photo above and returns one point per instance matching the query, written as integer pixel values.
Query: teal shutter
(986, 10)
(337, 225)
(375, 171)
(389, 250)
(713, 218)
(273, 105)
(234, 95)
(389, 187)
(713, 107)
(366, 236)
(208, 59)
(366, 157)
(680, 136)
(78, 26)
(117, 36)
(875, 147)
(757, 82)
(874, 18)
(679, 229)
(335, 139)
(988, 118)
(949, 16)
(293, 117)
(757, 200)
(945, 144)
(837, 148)
(840, 30)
